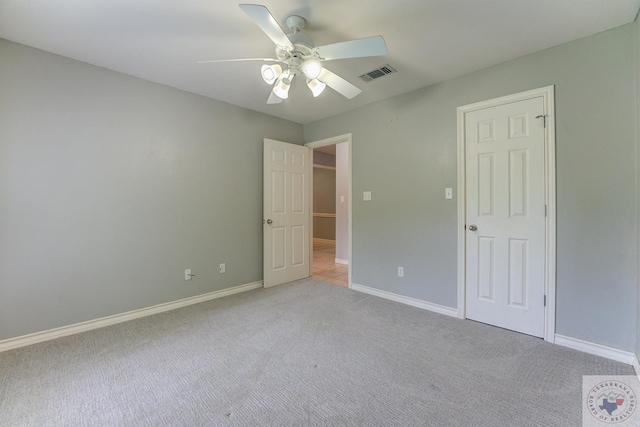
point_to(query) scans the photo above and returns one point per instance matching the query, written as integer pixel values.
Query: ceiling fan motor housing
(295, 23)
(302, 51)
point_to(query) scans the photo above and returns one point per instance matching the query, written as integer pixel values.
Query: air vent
(377, 73)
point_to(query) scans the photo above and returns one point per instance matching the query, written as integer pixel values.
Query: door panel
(506, 202)
(485, 184)
(286, 212)
(518, 187)
(297, 245)
(518, 272)
(278, 245)
(278, 182)
(485, 268)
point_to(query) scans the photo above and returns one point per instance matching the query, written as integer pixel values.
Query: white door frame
(321, 143)
(547, 94)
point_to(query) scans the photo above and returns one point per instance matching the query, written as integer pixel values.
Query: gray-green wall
(324, 201)
(110, 186)
(404, 152)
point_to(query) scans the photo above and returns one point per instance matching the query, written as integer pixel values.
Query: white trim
(636, 366)
(547, 94)
(441, 309)
(597, 349)
(462, 220)
(342, 261)
(38, 337)
(347, 137)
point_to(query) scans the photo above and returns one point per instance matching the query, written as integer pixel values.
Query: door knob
(473, 227)
(269, 221)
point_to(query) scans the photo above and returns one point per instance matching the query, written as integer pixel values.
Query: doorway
(506, 212)
(330, 239)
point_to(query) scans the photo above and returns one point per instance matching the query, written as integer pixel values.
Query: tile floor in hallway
(324, 264)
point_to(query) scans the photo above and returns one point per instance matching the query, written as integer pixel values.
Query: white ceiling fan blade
(273, 98)
(268, 24)
(370, 46)
(338, 84)
(239, 60)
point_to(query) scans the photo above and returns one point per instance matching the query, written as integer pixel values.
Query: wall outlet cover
(448, 193)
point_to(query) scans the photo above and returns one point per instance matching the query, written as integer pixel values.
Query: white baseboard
(342, 261)
(37, 337)
(441, 309)
(587, 347)
(597, 349)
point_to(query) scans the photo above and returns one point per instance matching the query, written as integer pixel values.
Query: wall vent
(377, 73)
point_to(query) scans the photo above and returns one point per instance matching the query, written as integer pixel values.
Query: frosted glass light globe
(311, 68)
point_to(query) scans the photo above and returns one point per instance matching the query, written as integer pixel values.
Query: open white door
(286, 212)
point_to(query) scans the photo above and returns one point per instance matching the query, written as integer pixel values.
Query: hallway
(324, 263)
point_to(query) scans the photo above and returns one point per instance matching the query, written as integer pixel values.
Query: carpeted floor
(304, 353)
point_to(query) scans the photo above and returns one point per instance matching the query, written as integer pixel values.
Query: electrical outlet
(366, 195)
(187, 274)
(400, 271)
(223, 268)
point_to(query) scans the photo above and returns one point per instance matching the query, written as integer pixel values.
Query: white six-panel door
(505, 216)
(286, 212)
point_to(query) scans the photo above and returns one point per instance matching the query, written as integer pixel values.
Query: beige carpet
(305, 353)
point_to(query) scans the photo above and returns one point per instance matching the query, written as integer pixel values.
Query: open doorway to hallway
(330, 202)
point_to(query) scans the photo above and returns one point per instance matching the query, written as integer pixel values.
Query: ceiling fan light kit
(316, 86)
(281, 88)
(270, 73)
(311, 68)
(300, 56)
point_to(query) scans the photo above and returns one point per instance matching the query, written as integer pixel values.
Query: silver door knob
(473, 227)
(269, 221)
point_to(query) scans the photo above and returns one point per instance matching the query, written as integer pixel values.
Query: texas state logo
(612, 401)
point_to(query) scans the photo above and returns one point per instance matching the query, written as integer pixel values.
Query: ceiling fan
(297, 55)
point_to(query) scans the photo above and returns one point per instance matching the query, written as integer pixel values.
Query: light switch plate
(341, 199)
(448, 193)
(366, 195)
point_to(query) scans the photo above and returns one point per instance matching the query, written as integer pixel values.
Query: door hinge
(545, 211)
(544, 119)
(545, 300)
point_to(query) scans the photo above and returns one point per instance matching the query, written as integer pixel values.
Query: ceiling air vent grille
(377, 73)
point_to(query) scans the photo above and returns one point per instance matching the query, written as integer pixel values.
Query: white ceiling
(428, 40)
